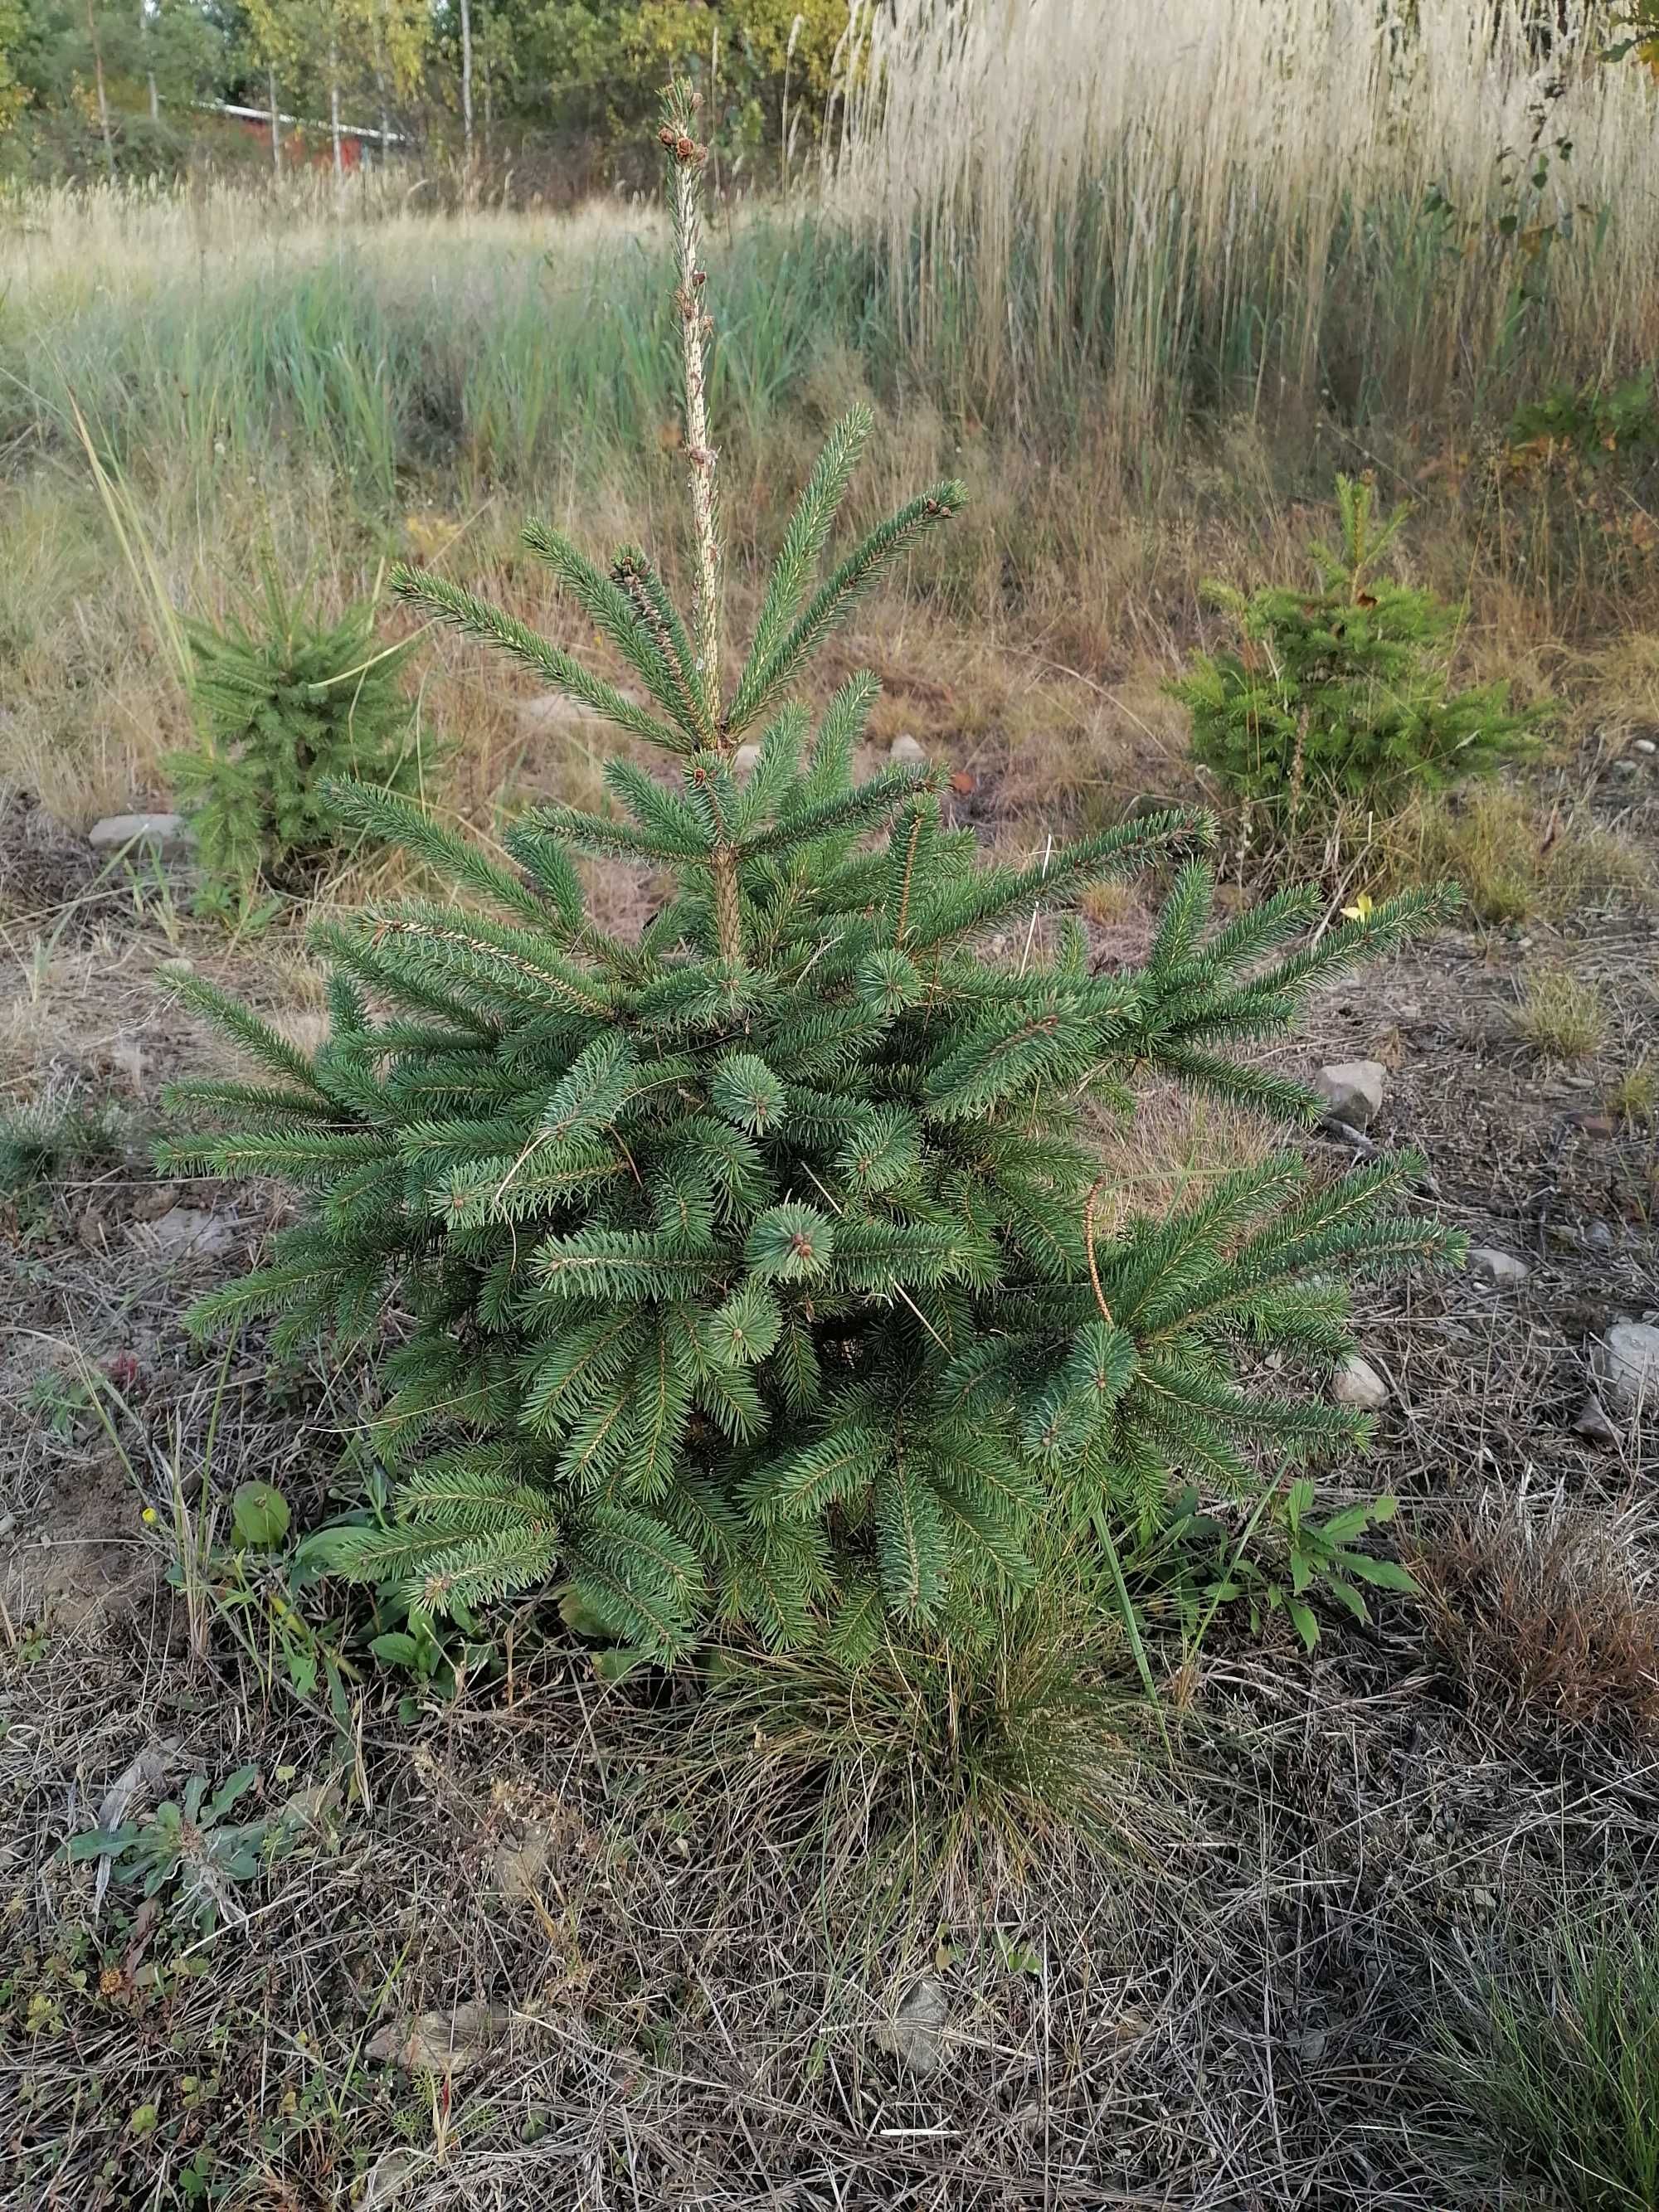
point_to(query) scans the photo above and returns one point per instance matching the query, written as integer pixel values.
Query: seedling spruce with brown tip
(754, 1267)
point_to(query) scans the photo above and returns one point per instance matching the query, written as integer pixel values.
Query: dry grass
(1560, 1015)
(1173, 1147)
(1177, 186)
(63, 249)
(1634, 1096)
(1514, 855)
(1545, 1613)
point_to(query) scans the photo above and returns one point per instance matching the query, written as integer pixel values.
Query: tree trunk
(380, 81)
(334, 108)
(149, 73)
(275, 123)
(103, 94)
(466, 90)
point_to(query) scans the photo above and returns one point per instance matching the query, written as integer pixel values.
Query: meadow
(1292, 1931)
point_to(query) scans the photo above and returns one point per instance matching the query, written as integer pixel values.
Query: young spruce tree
(751, 1267)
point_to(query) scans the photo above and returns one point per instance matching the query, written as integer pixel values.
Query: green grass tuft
(1559, 2063)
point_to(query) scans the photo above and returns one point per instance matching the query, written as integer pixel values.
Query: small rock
(1624, 767)
(743, 761)
(904, 751)
(169, 835)
(1627, 1359)
(8, 1522)
(189, 1232)
(1495, 1266)
(550, 713)
(916, 2034)
(127, 1058)
(1358, 1383)
(445, 2043)
(391, 2175)
(307, 1808)
(1646, 746)
(520, 1863)
(1353, 1090)
(1593, 1425)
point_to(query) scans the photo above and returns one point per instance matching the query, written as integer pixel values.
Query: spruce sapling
(751, 1267)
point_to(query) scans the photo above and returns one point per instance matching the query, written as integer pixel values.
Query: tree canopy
(132, 88)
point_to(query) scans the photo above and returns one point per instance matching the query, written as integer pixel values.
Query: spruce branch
(657, 614)
(803, 540)
(848, 813)
(256, 1037)
(476, 617)
(613, 610)
(761, 684)
(399, 821)
(965, 908)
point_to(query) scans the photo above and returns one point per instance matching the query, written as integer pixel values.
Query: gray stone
(1358, 1383)
(1495, 1266)
(916, 2034)
(1627, 1360)
(550, 713)
(1593, 1425)
(392, 2174)
(1353, 1090)
(744, 761)
(188, 1232)
(904, 751)
(1643, 745)
(441, 2043)
(168, 835)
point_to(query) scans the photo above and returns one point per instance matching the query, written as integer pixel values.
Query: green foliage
(751, 1267)
(13, 96)
(436, 1660)
(283, 703)
(1184, 1569)
(1560, 2066)
(1340, 696)
(1318, 1557)
(260, 1513)
(192, 1843)
(1637, 24)
(1600, 425)
(604, 63)
(42, 1142)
